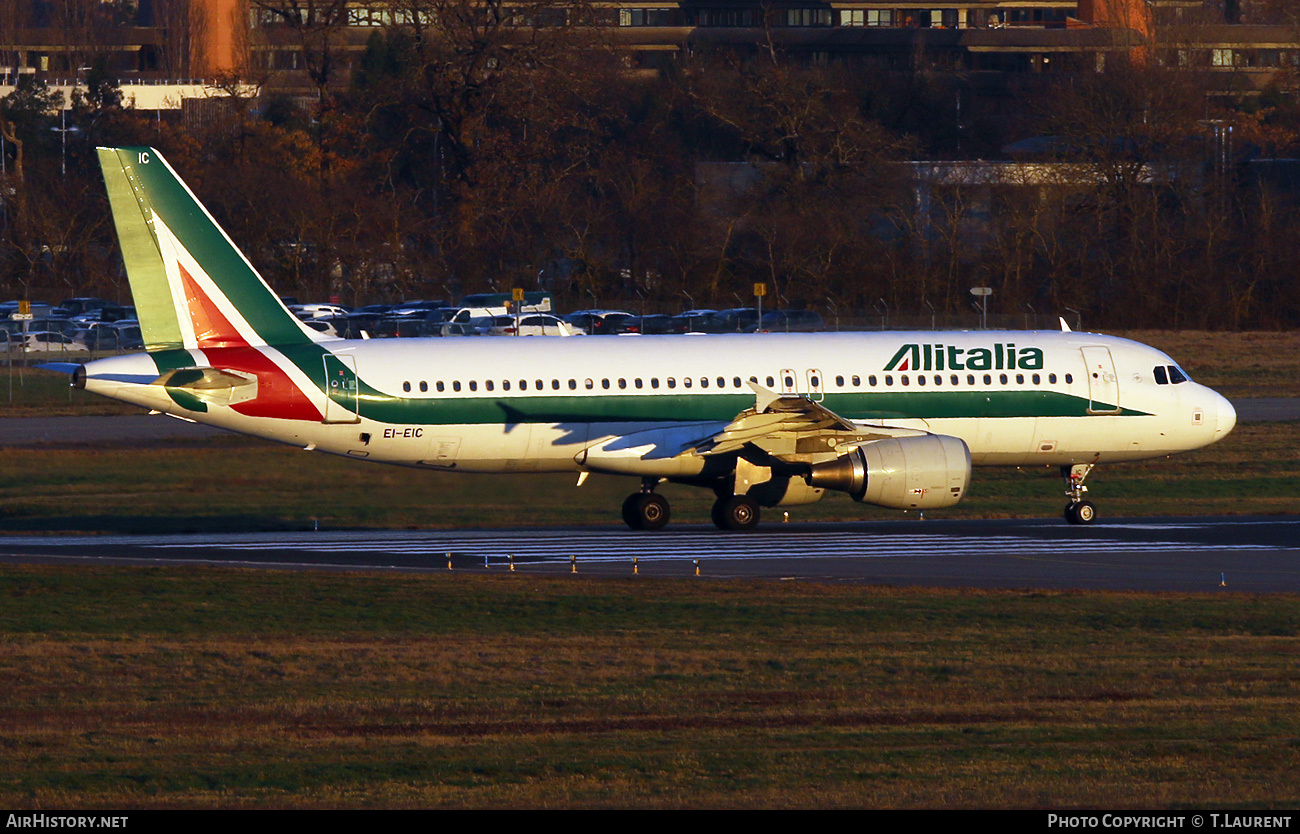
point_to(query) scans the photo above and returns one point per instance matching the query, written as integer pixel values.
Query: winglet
(1065, 328)
(764, 397)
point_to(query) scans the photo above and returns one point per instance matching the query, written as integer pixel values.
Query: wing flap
(784, 425)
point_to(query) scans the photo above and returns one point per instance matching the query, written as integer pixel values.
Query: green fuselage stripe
(700, 407)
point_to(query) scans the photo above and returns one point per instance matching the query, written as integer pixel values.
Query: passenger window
(441, 387)
(1069, 379)
(589, 383)
(839, 381)
(1037, 379)
(473, 385)
(857, 381)
(938, 379)
(687, 382)
(637, 382)
(455, 385)
(955, 380)
(487, 385)
(424, 387)
(988, 379)
(555, 384)
(573, 385)
(622, 383)
(970, 379)
(920, 379)
(889, 380)
(604, 383)
(505, 385)
(406, 386)
(672, 383)
(1002, 378)
(704, 382)
(1020, 379)
(654, 382)
(770, 382)
(907, 380)
(1051, 378)
(871, 380)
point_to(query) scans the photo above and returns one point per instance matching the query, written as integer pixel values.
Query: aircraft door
(341, 389)
(815, 392)
(1103, 382)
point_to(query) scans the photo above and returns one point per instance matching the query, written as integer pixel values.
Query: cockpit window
(1170, 375)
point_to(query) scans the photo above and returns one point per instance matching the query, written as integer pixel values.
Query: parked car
(532, 324)
(620, 323)
(593, 322)
(318, 311)
(692, 321)
(653, 325)
(48, 341)
(38, 309)
(735, 320)
(100, 336)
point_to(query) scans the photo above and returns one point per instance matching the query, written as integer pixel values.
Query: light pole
(983, 293)
(64, 130)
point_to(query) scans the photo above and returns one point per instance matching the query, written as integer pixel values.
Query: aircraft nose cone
(1227, 418)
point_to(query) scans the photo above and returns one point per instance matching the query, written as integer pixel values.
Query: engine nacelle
(905, 473)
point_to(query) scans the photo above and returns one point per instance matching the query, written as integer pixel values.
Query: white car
(307, 312)
(46, 341)
(531, 324)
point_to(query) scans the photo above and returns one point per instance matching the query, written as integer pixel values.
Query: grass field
(199, 688)
(227, 688)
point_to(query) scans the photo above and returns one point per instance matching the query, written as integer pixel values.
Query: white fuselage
(633, 405)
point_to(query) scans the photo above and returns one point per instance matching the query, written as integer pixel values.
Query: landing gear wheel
(646, 511)
(1080, 512)
(736, 512)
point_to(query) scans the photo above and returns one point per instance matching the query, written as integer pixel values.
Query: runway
(1250, 554)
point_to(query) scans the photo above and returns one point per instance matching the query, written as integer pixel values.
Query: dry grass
(472, 691)
(1250, 364)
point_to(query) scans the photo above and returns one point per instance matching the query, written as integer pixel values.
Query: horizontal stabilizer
(60, 367)
(212, 385)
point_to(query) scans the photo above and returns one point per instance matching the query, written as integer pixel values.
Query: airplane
(893, 419)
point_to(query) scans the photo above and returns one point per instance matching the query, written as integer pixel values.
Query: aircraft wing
(788, 424)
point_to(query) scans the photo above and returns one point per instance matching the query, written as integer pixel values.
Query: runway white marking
(494, 545)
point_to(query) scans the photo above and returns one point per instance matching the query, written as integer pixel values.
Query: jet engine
(905, 473)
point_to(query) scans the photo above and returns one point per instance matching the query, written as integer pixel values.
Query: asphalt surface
(1211, 555)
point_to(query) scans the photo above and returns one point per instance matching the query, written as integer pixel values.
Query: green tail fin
(192, 286)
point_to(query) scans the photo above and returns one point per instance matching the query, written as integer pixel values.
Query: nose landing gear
(1078, 511)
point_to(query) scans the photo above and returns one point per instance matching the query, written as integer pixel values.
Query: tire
(631, 514)
(736, 512)
(1081, 512)
(646, 511)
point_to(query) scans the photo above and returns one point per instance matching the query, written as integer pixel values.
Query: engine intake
(905, 473)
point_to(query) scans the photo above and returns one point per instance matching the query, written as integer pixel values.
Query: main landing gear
(1078, 511)
(735, 512)
(647, 509)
